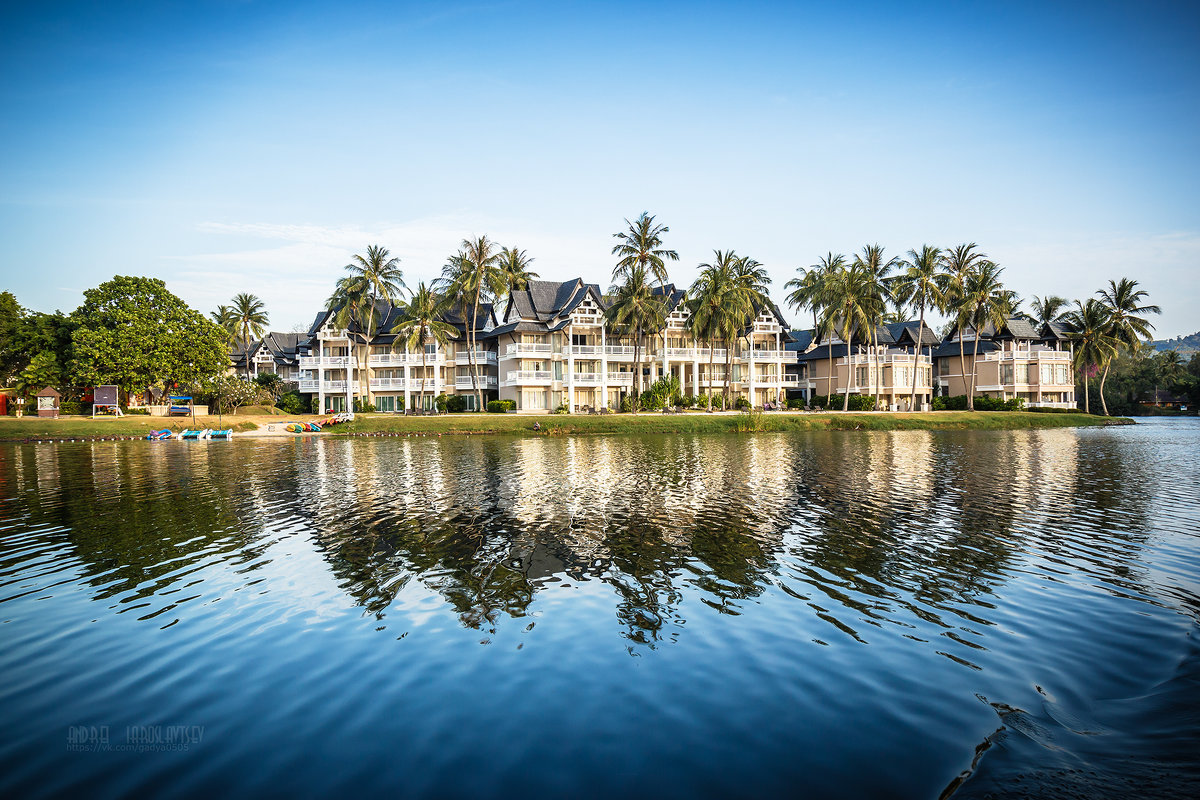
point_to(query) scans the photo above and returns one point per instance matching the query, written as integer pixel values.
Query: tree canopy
(134, 333)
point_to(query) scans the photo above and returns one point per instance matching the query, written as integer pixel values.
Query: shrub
(795, 403)
(500, 406)
(69, 407)
(314, 406)
(272, 383)
(687, 401)
(363, 406)
(1041, 410)
(833, 402)
(562, 409)
(456, 403)
(663, 392)
(144, 412)
(441, 402)
(750, 420)
(741, 404)
(291, 403)
(626, 404)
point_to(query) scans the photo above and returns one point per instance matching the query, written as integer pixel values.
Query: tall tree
(987, 303)
(750, 287)
(249, 316)
(421, 323)
(710, 303)
(918, 288)
(372, 280)
(635, 309)
(879, 294)
(815, 295)
(1095, 346)
(958, 264)
(472, 276)
(641, 258)
(134, 333)
(1050, 308)
(1127, 327)
(846, 297)
(514, 269)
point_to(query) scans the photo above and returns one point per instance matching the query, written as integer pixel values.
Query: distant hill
(1180, 344)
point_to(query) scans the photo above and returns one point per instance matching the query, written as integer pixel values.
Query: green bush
(363, 406)
(143, 412)
(441, 402)
(833, 402)
(626, 404)
(69, 407)
(562, 409)
(314, 406)
(687, 401)
(456, 403)
(500, 406)
(290, 403)
(959, 403)
(663, 392)
(1042, 410)
(741, 404)
(795, 403)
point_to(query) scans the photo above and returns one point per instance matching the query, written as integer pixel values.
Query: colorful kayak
(158, 436)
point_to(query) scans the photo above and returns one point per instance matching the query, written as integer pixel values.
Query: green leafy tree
(249, 317)
(362, 299)
(135, 334)
(918, 288)
(711, 302)
(1127, 326)
(959, 264)
(13, 357)
(635, 309)
(471, 277)
(514, 269)
(1050, 308)
(1094, 342)
(986, 303)
(847, 300)
(879, 295)
(810, 290)
(422, 323)
(43, 370)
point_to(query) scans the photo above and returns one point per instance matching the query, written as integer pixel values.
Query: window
(1006, 373)
(579, 339)
(860, 376)
(533, 399)
(386, 403)
(943, 366)
(903, 376)
(1022, 373)
(1063, 373)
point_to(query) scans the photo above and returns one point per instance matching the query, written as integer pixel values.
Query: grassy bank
(12, 429)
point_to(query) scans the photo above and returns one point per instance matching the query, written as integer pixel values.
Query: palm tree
(640, 246)
(711, 303)
(249, 317)
(1095, 345)
(635, 309)
(959, 262)
(805, 288)
(1123, 301)
(918, 287)
(224, 319)
(847, 298)
(514, 269)
(641, 250)
(750, 282)
(987, 303)
(422, 322)
(372, 278)
(811, 290)
(472, 276)
(879, 294)
(1050, 308)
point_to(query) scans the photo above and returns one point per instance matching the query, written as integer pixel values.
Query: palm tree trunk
(471, 354)
(829, 383)
(708, 394)
(962, 359)
(876, 366)
(849, 371)
(912, 401)
(1087, 401)
(974, 373)
(637, 368)
(422, 400)
(728, 376)
(1103, 378)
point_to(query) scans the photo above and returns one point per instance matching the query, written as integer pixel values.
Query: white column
(407, 384)
(571, 368)
(603, 371)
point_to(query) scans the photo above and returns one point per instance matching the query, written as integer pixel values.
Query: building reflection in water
(870, 530)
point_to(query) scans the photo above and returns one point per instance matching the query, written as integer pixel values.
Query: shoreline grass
(32, 428)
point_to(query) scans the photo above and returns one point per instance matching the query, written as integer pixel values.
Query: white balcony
(326, 362)
(689, 353)
(528, 349)
(1024, 355)
(463, 357)
(620, 379)
(387, 384)
(584, 378)
(763, 355)
(484, 382)
(528, 377)
(387, 359)
(593, 350)
(619, 352)
(308, 385)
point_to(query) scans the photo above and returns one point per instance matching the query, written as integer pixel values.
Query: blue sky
(244, 146)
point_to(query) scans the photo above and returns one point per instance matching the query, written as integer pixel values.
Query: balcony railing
(386, 359)
(763, 355)
(463, 357)
(619, 351)
(327, 362)
(483, 382)
(620, 378)
(316, 386)
(585, 350)
(388, 384)
(1048, 404)
(584, 378)
(528, 348)
(1026, 355)
(528, 376)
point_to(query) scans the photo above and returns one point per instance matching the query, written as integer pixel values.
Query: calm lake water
(822, 615)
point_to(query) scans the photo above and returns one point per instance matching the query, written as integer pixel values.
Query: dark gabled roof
(903, 333)
(799, 340)
(237, 352)
(950, 348)
(1056, 330)
(520, 326)
(318, 322)
(551, 302)
(823, 351)
(672, 296)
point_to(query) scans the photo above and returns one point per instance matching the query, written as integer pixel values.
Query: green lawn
(13, 429)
